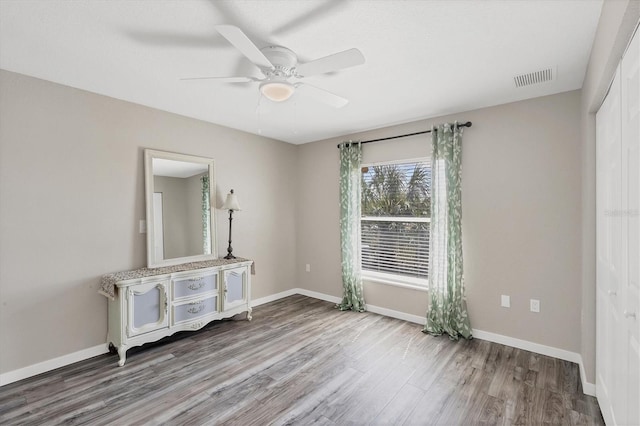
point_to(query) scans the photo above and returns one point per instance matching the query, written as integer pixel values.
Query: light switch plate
(505, 301)
(142, 227)
(307, 267)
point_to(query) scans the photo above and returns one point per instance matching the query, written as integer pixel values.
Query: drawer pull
(194, 309)
(193, 286)
(628, 314)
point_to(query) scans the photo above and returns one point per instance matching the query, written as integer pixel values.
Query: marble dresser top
(108, 281)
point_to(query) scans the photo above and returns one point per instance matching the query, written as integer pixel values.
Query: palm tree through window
(396, 211)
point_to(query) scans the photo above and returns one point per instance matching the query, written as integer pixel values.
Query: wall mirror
(180, 191)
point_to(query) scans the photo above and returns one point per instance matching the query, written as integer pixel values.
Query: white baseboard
(52, 364)
(588, 388)
(527, 346)
(397, 314)
(274, 297)
(371, 308)
(316, 295)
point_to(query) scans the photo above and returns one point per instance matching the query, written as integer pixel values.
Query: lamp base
(230, 249)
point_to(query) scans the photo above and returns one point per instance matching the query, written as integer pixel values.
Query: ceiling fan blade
(227, 11)
(225, 79)
(312, 15)
(241, 42)
(322, 95)
(335, 62)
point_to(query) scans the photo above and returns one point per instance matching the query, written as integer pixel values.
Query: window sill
(392, 280)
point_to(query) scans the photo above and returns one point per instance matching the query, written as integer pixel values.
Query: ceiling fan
(281, 70)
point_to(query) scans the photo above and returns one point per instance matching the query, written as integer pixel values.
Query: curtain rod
(467, 124)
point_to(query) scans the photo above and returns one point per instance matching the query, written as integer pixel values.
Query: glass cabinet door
(235, 288)
(147, 308)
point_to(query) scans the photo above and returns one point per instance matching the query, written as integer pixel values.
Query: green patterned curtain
(448, 308)
(350, 182)
(206, 216)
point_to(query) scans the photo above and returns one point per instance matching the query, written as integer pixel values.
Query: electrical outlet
(307, 267)
(142, 227)
(505, 301)
(534, 305)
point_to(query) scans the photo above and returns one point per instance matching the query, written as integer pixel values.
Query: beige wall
(521, 210)
(615, 28)
(72, 193)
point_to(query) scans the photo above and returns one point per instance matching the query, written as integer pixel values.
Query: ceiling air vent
(533, 77)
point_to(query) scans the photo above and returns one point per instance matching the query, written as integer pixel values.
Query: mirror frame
(149, 156)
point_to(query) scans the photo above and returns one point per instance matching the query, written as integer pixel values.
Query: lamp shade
(231, 203)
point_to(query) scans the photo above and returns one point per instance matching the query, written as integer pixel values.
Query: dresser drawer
(188, 287)
(195, 309)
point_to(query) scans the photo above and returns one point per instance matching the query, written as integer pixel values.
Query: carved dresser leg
(122, 351)
(249, 314)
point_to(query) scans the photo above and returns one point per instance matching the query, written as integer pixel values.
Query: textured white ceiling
(423, 58)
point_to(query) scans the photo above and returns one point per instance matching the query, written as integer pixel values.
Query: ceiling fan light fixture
(277, 91)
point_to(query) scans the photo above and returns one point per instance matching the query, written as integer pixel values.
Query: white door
(609, 246)
(618, 245)
(158, 226)
(630, 89)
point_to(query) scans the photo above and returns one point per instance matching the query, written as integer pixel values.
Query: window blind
(396, 209)
(395, 246)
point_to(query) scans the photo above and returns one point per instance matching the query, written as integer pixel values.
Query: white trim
(394, 280)
(52, 364)
(273, 297)
(316, 295)
(417, 319)
(588, 388)
(370, 308)
(527, 346)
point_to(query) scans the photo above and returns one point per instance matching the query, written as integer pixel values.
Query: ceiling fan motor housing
(283, 60)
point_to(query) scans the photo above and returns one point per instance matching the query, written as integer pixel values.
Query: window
(394, 227)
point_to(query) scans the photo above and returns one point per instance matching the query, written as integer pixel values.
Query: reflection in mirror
(179, 215)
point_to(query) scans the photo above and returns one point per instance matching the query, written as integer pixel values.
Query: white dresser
(148, 304)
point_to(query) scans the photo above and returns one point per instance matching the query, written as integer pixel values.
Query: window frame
(396, 280)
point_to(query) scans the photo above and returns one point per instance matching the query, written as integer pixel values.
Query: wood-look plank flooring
(300, 361)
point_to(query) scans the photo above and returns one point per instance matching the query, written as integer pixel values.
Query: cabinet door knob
(612, 293)
(628, 314)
